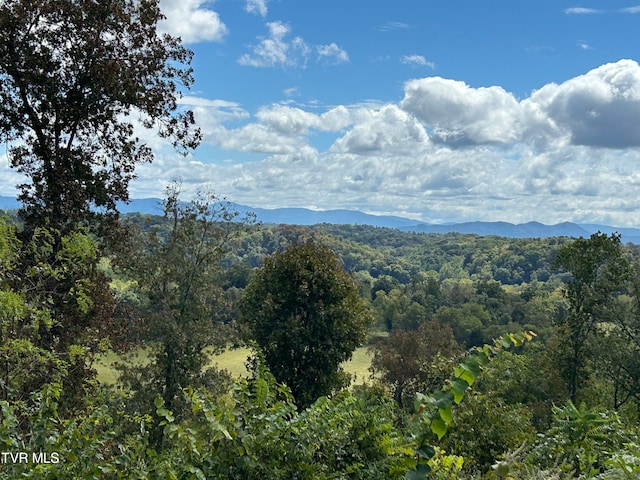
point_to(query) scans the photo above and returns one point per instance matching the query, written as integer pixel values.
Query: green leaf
(439, 427)
(458, 387)
(516, 339)
(427, 452)
(443, 399)
(483, 358)
(445, 414)
(468, 370)
(420, 472)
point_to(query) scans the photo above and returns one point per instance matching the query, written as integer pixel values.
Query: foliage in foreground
(253, 431)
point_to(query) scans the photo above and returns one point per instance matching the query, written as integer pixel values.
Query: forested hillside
(519, 355)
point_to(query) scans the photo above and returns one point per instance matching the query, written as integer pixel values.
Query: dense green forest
(491, 357)
(445, 318)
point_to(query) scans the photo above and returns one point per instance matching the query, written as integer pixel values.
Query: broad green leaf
(445, 414)
(427, 452)
(439, 427)
(458, 387)
(443, 399)
(420, 472)
(483, 358)
(464, 374)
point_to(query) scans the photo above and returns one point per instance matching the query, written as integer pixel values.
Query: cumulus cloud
(600, 108)
(276, 129)
(279, 50)
(287, 120)
(258, 137)
(387, 131)
(459, 114)
(259, 7)
(192, 21)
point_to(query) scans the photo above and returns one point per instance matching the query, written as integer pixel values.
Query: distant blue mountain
(303, 216)
(504, 229)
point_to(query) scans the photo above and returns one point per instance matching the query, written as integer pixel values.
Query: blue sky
(438, 111)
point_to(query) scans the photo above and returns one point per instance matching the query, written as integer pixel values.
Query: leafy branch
(434, 412)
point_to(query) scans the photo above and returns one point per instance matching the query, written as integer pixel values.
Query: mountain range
(303, 216)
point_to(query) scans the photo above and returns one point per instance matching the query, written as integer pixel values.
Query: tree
(177, 274)
(412, 361)
(468, 322)
(305, 313)
(599, 273)
(74, 76)
(39, 344)
(618, 345)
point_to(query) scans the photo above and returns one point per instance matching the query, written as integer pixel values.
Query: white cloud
(387, 131)
(332, 53)
(417, 60)
(258, 137)
(599, 109)
(259, 7)
(391, 26)
(192, 21)
(287, 120)
(277, 50)
(581, 11)
(277, 129)
(459, 114)
(635, 9)
(9, 178)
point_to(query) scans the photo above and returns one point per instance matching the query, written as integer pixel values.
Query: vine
(434, 412)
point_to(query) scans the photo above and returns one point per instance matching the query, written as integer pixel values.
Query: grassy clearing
(234, 361)
(104, 364)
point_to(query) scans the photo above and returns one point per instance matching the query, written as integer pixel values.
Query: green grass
(104, 365)
(234, 362)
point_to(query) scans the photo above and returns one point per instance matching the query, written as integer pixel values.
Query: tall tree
(599, 274)
(176, 269)
(74, 77)
(304, 311)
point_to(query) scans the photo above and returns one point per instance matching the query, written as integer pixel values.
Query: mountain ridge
(303, 216)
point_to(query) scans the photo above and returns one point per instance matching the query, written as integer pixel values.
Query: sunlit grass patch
(232, 360)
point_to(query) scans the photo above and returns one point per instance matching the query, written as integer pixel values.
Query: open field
(234, 362)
